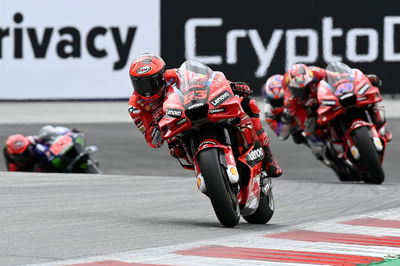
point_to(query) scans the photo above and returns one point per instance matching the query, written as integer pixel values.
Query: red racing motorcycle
(203, 113)
(355, 141)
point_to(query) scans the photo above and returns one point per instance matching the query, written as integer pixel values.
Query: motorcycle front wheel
(369, 158)
(220, 191)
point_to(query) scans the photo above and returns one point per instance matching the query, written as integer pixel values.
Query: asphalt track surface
(144, 199)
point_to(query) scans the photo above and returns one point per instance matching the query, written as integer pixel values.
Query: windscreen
(338, 73)
(193, 74)
(195, 79)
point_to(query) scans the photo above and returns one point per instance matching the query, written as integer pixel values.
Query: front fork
(379, 142)
(226, 156)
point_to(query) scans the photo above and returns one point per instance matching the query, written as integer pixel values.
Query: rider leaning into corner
(273, 110)
(300, 85)
(151, 80)
(26, 153)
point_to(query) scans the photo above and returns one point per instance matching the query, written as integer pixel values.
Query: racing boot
(386, 134)
(378, 116)
(317, 146)
(270, 165)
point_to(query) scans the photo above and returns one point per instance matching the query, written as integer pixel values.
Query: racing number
(196, 94)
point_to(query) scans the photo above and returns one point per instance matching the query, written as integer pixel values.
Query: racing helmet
(47, 133)
(147, 78)
(17, 147)
(299, 77)
(273, 91)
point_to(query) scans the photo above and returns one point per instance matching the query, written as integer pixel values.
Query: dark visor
(148, 86)
(301, 93)
(276, 102)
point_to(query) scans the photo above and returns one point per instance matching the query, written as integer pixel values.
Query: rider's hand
(311, 106)
(155, 134)
(269, 115)
(241, 88)
(375, 81)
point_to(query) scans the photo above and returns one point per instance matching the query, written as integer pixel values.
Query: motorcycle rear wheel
(219, 190)
(369, 156)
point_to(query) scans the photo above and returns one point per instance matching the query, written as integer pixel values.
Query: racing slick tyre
(344, 173)
(369, 156)
(264, 211)
(219, 189)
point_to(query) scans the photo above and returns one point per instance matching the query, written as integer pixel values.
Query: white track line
(166, 255)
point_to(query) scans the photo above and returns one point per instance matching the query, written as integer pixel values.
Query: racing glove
(154, 133)
(375, 81)
(287, 120)
(311, 107)
(241, 89)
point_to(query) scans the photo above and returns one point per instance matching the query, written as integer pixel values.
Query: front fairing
(344, 88)
(199, 95)
(64, 149)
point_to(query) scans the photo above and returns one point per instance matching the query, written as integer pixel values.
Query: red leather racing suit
(146, 116)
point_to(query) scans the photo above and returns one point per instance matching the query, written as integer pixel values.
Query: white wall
(46, 74)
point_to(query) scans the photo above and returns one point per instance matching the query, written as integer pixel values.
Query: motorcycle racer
(301, 104)
(274, 97)
(20, 154)
(151, 80)
(28, 153)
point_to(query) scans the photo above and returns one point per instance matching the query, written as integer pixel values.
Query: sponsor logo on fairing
(180, 122)
(195, 105)
(219, 110)
(346, 96)
(328, 102)
(255, 154)
(220, 98)
(362, 98)
(133, 110)
(208, 142)
(363, 89)
(174, 113)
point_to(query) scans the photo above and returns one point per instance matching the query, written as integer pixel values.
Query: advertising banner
(73, 49)
(252, 40)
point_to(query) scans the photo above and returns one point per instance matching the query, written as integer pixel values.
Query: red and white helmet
(17, 148)
(299, 77)
(147, 78)
(273, 90)
(17, 144)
